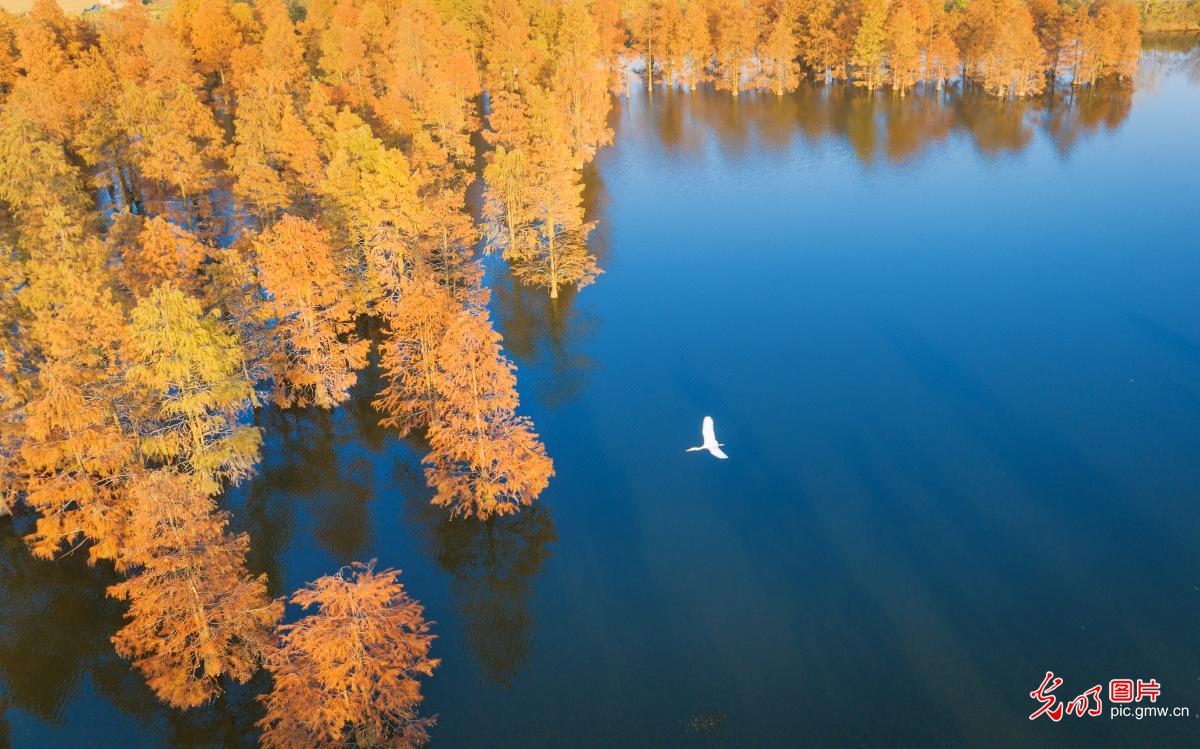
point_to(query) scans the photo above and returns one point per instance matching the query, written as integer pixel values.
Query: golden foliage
(485, 460)
(366, 184)
(314, 353)
(1002, 48)
(737, 37)
(74, 447)
(408, 357)
(347, 675)
(74, 454)
(192, 208)
(190, 367)
(534, 193)
(195, 614)
(163, 254)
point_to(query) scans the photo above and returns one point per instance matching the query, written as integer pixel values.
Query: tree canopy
(233, 204)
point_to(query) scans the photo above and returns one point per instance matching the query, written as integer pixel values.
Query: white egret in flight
(710, 440)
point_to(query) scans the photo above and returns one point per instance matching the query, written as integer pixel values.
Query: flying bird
(710, 440)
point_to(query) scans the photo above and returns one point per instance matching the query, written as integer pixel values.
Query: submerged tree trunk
(553, 265)
(187, 206)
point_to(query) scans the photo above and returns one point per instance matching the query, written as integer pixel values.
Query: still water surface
(954, 349)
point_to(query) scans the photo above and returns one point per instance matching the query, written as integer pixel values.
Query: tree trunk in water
(512, 233)
(187, 206)
(649, 66)
(553, 260)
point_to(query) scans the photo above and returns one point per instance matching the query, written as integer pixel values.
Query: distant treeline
(1169, 15)
(1009, 47)
(201, 202)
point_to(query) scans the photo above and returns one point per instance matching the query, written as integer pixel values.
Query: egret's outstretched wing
(708, 432)
(717, 452)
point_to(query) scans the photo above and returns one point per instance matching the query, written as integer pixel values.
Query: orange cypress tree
(427, 79)
(8, 49)
(1121, 42)
(510, 59)
(314, 352)
(869, 54)
(737, 38)
(560, 255)
(195, 613)
(181, 146)
(275, 159)
(942, 57)
(347, 675)
(345, 55)
(539, 199)
(612, 37)
(41, 188)
(163, 253)
(366, 184)
(47, 41)
(62, 340)
(188, 368)
(212, 32)
(75, 447)
(780, 71)
(416, 328)
(823, 48)
(696, 41)
(580, 80)
(484, 459)
(646, 34)
(74, 454)
(906, 29)
(1079, 52)
(1003, 48)
(506, 199)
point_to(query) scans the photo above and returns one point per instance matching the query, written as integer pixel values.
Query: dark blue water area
(953, 347)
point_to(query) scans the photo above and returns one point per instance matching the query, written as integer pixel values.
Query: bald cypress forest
(211, 210)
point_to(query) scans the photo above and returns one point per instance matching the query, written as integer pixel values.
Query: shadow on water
(55, 625)
(316, 470)
(307, 469)
(321, 472)
(538, 328)
(492, 565)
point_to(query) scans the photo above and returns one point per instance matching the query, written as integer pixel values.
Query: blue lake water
(953, 346)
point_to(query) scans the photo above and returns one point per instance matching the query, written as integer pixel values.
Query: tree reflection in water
(492, 565)
(309, 457)
(536, 327)
(880, 125)
(55, 621)
(55, 625)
